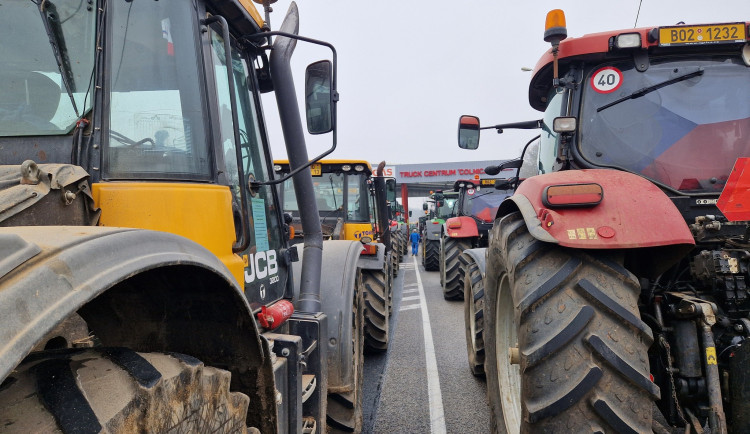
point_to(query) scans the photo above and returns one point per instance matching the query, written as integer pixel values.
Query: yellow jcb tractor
(145, 269)
(351, 206)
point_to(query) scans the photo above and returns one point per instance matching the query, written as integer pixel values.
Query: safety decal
(711, 355)
(582, 234)
(470, 192)
(606, 80)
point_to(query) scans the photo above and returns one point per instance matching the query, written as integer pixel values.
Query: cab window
(549, 144)
(157, 111)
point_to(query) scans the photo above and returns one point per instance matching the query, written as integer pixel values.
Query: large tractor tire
(474, 315)
(395, 255)
(431, 253)
(451, 273)
(581, 363)
(376, 310)
(119, 390)
(344, 413)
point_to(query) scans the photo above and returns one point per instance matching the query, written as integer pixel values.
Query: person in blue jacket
(414, 242)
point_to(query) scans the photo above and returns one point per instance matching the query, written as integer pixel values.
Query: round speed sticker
(470, 191)
(606, 80)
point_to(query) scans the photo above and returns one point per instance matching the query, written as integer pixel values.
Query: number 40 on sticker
(606, 80)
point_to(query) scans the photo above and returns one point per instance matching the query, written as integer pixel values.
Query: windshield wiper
(51, 21)
(646, 90)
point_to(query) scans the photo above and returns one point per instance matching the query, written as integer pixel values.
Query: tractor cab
(342, 193)
(479, 199)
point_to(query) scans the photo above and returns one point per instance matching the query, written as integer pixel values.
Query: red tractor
(615, 296)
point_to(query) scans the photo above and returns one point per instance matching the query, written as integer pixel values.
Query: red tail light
(572, 195)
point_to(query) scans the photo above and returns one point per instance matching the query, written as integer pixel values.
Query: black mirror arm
(334, 92)
(525, 125)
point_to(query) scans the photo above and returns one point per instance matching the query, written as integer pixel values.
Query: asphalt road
(423, 383)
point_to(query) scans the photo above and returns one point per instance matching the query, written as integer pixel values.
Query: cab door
(265, 274)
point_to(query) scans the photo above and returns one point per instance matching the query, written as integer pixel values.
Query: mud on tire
(376, 310)
(474, 314)
(583, 347)
(344, 412)
(120, 390)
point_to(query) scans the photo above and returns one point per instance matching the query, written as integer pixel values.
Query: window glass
(157, 112)
(549, 139)
(265, 230)
(329, 192)
(687, 122)
(357, 199)
(34, 99)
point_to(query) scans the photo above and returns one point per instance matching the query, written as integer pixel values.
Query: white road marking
(437, 416)
(415, 297)
(409, 291)
(410, 307)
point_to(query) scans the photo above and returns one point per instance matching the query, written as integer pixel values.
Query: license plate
(316, 170)
(487, 182)
(696, 35)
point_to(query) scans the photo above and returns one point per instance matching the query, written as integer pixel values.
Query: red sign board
(734, 201)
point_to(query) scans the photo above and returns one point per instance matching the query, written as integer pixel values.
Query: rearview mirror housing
(319, 97)
(468, 132)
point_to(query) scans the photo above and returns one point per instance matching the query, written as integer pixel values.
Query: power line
(638, 14)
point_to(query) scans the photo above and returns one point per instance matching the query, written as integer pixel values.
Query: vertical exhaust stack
(294, 137)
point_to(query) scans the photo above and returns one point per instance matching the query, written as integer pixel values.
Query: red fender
(633, 213)
(461, 227)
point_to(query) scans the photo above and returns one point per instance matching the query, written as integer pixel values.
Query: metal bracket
(640, 58)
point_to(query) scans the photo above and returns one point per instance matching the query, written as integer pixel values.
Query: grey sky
(409, 69)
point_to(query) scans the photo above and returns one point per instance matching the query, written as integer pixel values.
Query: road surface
(423, 383)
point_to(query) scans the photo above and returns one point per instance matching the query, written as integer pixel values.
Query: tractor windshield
(447, 209)
(333, 193)
(682, 122)
(34, 90)
(482, 204)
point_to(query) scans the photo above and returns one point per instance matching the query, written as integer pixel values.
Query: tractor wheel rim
(509, 375)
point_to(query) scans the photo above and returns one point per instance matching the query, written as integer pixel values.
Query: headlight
(359, 167)
(564, 124)
(276, 168)
(628, 40)
(346, 167)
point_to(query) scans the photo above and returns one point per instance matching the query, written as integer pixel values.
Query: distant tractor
(352, 207)
(615, 294)
(467, 228)
(443, 208)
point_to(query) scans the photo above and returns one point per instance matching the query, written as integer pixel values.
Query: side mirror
(409, 213)
(319, 97)
(468, 132)
(492, 170)
(424, 206)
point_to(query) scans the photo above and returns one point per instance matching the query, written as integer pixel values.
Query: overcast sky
(409, 69)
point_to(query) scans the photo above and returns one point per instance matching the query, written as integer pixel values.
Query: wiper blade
(646, 90)
(51, 21)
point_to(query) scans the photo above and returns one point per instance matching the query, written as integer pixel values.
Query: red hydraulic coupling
(273, 316)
